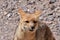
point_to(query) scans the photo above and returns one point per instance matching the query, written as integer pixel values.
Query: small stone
(32, 2)
(29, 3)
(50, 14)
(19, 1)
(39, 0)
(27, 0)
(9, 15)
(28, 10)
(52, 1)
(53, 7)
(5, 13)
(13, 9)
(58, 16)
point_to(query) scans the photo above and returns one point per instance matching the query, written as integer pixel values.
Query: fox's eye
(35, 21)
(27, 21)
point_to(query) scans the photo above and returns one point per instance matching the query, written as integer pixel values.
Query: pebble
(52, 1)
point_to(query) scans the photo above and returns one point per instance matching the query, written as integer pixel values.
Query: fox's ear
(21, 12)
(37, 13)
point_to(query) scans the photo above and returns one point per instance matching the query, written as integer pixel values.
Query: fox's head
(28, 21)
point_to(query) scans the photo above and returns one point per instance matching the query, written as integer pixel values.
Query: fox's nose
(32, 28)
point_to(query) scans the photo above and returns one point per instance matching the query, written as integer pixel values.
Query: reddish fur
(42, 33)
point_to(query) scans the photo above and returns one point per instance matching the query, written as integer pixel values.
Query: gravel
(9, 17)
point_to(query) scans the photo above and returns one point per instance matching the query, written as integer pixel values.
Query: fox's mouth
(32, 29)
(29, 29)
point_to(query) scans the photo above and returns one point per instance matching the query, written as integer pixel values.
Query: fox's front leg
(19, 35)
(15, 38)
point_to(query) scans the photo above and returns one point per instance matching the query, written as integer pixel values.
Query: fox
(31, 28)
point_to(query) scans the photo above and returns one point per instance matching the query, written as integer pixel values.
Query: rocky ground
(9, 17)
